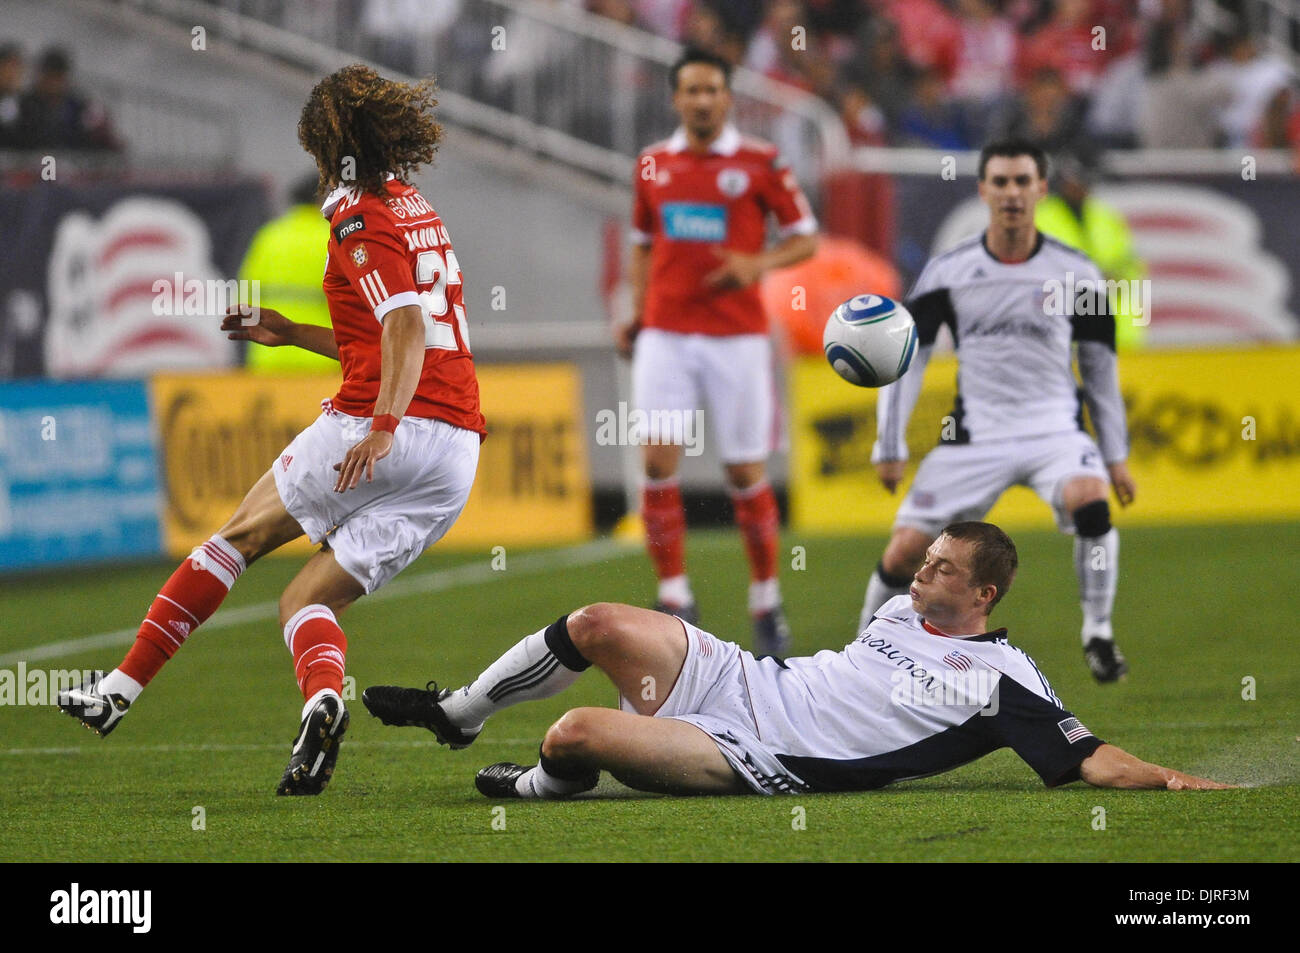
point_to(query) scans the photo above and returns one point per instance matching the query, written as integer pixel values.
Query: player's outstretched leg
(627, 643)
(758, 520)
(893, 574)
(186, 601)
(650, 754)
(1096, 563)
(319, 649)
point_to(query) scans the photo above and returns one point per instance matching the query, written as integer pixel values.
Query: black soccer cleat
(316, 748)
(417, 707)
(1105, 660)
(689, 613)
(98, 711)
(498, 780)
(772, 634)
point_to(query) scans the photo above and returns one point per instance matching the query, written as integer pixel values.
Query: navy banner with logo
(91, 274)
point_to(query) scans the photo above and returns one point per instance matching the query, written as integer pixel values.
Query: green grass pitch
(1199, 611)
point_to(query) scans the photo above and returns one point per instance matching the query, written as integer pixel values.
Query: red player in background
(699, 227)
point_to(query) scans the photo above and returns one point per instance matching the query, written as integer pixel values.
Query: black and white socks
(538, 666)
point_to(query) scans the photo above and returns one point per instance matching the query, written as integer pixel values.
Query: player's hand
(1123, 482)
(1186, 782)
(625, 333)
(738, 270)
(361, 458)
(270, 328)
(891, 473)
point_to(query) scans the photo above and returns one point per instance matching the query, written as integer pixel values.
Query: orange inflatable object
(841, 269)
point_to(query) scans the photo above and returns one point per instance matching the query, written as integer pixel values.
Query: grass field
(1200, 609)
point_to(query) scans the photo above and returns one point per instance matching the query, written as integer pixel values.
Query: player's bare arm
(740, 269)
(891, 473)
(402, 349)
(272, 329)
(1123, 482)
(1112, 767)
(638, 275)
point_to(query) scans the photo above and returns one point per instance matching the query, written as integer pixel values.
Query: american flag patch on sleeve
(1073, 730)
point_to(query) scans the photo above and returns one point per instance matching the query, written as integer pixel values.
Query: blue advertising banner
(78, 473)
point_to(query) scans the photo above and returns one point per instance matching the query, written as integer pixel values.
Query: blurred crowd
(44, 110)
(950, 74)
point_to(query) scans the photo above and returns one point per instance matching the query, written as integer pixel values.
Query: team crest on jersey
(733, 182)
(359, 254)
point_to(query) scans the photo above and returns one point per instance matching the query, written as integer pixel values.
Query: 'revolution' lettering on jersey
(387, 252)
(692, 204)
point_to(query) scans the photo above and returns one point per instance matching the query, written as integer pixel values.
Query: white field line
(219, 748)
(468, 575)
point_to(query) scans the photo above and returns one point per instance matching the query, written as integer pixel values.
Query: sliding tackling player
(924, 688)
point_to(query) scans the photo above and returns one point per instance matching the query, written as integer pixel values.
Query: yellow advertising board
(220, 432)
(1214, 435)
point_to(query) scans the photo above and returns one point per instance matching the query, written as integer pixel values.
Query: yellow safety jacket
(1103, 235)
(287, 258)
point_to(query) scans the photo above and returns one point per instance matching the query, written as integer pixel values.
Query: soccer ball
(869, 340)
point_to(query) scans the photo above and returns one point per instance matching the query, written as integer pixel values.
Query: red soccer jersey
(385, 253)
(687, 205)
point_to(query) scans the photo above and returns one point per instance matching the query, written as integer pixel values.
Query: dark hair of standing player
(359, 127)
(993, 559)
(1009, 149)
(696, 55)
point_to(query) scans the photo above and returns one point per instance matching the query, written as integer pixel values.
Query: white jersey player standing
(1016, 303)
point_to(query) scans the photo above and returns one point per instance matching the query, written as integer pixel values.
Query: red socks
(759, 521)
(665, 526)
(189, 597)
(319, 648)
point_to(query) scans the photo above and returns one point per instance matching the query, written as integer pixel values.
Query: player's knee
(1092, 519)
(571, 736)
(594, 627)
(902, 557)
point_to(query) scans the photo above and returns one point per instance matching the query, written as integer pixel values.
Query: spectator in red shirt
(1069, 43)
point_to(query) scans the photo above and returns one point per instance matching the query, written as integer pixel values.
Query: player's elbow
(1109, 767)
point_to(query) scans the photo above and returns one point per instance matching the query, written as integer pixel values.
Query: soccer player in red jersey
(386, 469)
(698, 334)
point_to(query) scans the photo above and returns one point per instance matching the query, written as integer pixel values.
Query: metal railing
(157, 129)
(542, 76)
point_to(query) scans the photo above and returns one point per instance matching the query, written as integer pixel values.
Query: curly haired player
(386, 469)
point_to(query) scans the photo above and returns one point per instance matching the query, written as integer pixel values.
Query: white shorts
(963, 481)
(729, 378)
(712, 693)
(377, 529)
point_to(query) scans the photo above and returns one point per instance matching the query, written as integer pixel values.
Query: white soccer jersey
(902, 702)
(1013, 326)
